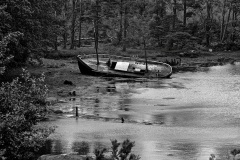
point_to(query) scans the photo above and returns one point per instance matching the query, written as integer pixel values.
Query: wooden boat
(118, 66)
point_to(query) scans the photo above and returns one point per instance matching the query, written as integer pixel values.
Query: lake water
(190, 116)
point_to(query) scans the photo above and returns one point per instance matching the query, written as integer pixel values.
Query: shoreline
(59, 70)
(69, 71)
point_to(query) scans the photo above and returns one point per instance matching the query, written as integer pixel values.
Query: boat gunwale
(122, 57)
(82, 57)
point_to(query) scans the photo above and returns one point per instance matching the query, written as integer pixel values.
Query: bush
(22, 106)
(124, 153)
(225, 46)
(181, 40)
(5, 58)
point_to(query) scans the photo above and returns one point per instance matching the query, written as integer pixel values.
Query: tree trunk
(55, 38)
(55, 43)
(184, 13)
(65, 39)
(65, 30)
(162, 9)
(226, 26)
(233, 25)
(208, 27)
(223, 19)
(73, 24)
(125, 29)
(120, 22)
(174, 14)
(96, 29)
(157, 5)
(80, 24)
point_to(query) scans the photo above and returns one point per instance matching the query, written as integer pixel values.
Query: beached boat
(118, 66)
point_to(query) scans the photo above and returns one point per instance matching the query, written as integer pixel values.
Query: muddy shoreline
(59, 70)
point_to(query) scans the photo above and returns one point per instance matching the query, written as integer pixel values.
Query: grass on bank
(109, 49)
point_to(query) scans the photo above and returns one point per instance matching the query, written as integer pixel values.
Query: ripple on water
(189, 116)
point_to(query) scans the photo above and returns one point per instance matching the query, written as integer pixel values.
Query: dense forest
(32, 29)
(42, 26)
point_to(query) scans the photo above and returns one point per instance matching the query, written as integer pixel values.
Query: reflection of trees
(178, 118)
(96, 107)
(96, 101)
(98, 145)
(47, 148)
(186, 150)
(125, 117)
(124, 102)
(81, 148)
(57, 147)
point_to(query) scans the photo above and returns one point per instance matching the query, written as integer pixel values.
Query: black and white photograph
(119, 79)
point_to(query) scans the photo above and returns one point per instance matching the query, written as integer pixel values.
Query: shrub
(22, 106)
(5, 58)
(124, 153)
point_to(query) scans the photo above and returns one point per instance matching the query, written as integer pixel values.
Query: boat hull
(126, 67)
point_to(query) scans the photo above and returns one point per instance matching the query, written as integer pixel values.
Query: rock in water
(68, 82)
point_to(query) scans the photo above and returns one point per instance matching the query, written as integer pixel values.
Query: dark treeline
(167, 24)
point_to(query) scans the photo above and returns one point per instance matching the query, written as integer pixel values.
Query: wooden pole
(144, 43)
(76, 111)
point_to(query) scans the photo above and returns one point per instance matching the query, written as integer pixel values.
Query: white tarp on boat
(122, 66)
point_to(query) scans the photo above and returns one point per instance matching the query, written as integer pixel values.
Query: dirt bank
(59, 70)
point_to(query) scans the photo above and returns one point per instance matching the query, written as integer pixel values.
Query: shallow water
(189, 116)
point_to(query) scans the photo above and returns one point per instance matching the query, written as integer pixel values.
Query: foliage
(35, 19)
(114, 147)
(126, 149)
(122, 153)
(181, 40)
(100, 153)
(4, 58)
(22, 106)
(235, 152)
(46, 23)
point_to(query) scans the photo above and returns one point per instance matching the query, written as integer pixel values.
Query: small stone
(58, 112)
(74, 93)
(68, 82)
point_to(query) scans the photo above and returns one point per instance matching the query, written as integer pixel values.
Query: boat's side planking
(127, 66)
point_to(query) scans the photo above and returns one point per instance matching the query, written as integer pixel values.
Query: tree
(74, 14)
(174, 13)
(65, 16)
(80, 8)
(223, 18)
(184, 13)
(36, 20)
(224, 29)
(120, 21)
(96, 26)
(125, 25)
(4, 46)
(23, 105)
(208, 27)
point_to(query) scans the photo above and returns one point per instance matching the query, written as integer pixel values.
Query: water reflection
(185, 150)
(189, 116)
(82, 148)
(58, 147)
